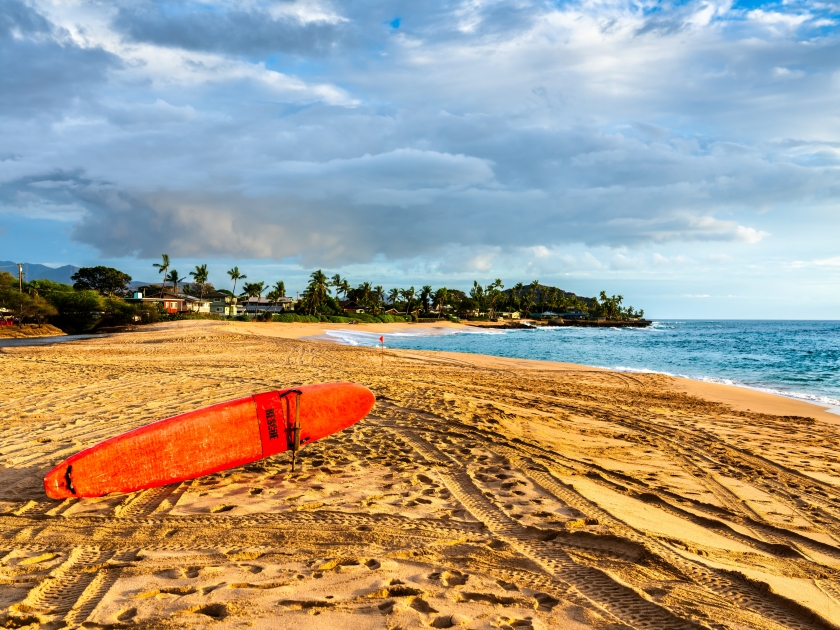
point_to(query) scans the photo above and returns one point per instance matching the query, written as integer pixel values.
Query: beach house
(172, 303)
(255, 305)
(224, 304)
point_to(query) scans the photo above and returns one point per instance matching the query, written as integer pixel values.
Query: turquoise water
(800, 359)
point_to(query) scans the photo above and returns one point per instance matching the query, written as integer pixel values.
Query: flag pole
(382, 353)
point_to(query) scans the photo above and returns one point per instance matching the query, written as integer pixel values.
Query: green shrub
(335, 319)
(78, 311)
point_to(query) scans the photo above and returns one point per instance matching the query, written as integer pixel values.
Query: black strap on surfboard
(294, 443)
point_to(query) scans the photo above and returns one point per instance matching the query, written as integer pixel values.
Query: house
(224, 304)
(349, 306)
(508, 315)
(392, 311)
(173, 302)
(253, 305)
(573, 315)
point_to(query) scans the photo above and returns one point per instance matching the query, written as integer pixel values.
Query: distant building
(253, 305)
(509, 315)
(173, 303)
(349, 306)
(224, 304)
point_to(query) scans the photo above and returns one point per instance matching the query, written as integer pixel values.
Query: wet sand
(480, 493)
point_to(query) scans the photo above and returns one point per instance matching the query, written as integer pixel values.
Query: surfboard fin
(294, 442)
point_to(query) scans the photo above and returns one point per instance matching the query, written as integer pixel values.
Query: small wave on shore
(795, 359)
(371, 339)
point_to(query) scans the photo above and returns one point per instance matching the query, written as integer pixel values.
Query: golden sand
(480, 493)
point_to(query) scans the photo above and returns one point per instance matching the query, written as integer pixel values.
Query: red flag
(382, 339)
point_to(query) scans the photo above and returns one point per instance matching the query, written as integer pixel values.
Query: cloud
(475, 134)
(250, 30)
(43, 69)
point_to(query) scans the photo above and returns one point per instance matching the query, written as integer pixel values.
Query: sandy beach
(480, 493)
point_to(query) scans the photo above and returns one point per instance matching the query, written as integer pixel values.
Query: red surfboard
(211, 439)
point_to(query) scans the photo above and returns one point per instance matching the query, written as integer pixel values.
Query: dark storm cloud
(42, 69)
(239, 32)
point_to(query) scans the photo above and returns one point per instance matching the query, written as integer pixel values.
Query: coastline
(453, 500)
(739, 397)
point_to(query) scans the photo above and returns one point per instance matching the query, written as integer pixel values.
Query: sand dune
(480, 493)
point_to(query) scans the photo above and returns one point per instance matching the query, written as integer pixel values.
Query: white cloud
(516, 134)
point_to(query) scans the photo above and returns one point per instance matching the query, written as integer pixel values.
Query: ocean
(799, 359)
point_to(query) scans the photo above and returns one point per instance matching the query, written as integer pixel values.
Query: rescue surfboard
(209, 440)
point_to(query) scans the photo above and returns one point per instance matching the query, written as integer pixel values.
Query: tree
(174, 279)
(494, 296)
(163, 267)
(106, 280)
(316, 291)
(393, 296)
(341, 285)
(77, 310)
(377, 296)
(477, 294)
(408, 296)
(274, 296)
(200, 275)
(425, 296)
(280, 287)
(364, 293)
(440, 298)
(235, 275)
(517, 291)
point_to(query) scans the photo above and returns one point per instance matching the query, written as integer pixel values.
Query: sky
(685, 155)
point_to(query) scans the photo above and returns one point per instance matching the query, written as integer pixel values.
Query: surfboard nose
(57, 483)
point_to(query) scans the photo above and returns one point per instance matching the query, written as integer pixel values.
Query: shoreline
(740, 397)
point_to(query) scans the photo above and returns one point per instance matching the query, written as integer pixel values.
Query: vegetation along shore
(104, 298)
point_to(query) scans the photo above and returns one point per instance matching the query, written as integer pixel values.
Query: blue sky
(683, 154)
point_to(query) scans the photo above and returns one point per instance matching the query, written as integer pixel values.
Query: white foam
(816, 399)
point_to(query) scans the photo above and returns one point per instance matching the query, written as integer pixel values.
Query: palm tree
(517, 288)
(494, 295)
(441, 295)
(280, 289)
(200, 276)
(162, 267)
(254, 289)
(274, 296)
(535, 289)
(235, 275)
(341, 285)
(364, 293)
(425, 294)
(173, 278)
(408, 296)
(393, 296)
(316, 291)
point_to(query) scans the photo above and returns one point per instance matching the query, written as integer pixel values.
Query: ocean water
(800, 359)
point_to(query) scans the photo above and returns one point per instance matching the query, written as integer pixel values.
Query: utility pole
(20, 277)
